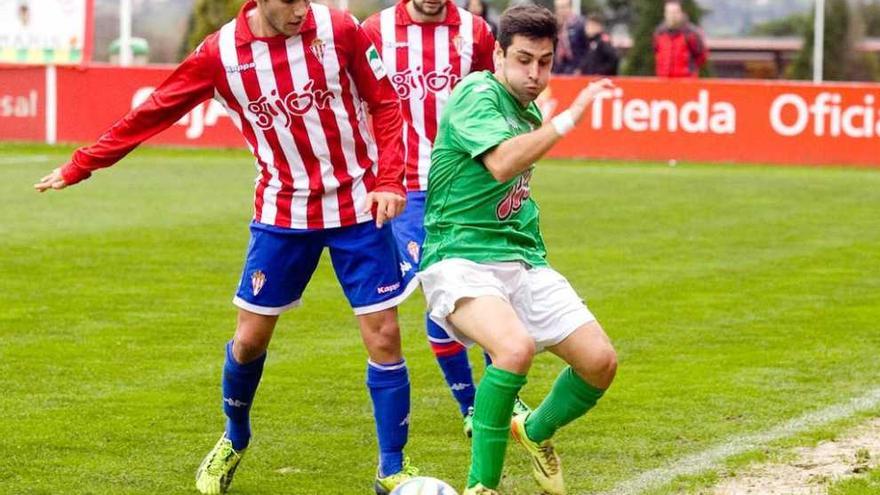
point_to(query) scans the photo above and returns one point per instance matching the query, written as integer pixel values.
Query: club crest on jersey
(413, 248)
(317, 48)
(258, 280)
(296, 103)
(456, 43)
(515, 198)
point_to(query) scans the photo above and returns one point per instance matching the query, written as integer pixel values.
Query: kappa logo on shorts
(405, 266)
(413, 248)
(388, 288)
(258, 280)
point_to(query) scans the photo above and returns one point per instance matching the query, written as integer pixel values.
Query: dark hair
(531, 21)
(596, 17)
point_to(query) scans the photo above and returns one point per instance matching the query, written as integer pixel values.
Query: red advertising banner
(23, 104)
(770, 122)
(90, 100)
(720, 121)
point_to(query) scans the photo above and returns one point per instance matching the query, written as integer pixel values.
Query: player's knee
(601, 367)
(515, 354)
(246, 348)
(383, 340)
(607, 364)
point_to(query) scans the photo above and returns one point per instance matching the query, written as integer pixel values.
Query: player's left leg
(562, 324)
(371, 274)
(389, 387)
(592, 365)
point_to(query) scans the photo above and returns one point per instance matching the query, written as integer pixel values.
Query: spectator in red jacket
(679, 46)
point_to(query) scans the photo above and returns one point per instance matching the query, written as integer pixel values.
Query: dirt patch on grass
(813, 468)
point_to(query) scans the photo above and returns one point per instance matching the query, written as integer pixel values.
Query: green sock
(570, 398)
(493, 406)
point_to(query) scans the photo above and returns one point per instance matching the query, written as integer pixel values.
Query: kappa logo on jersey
(297, 103)
(456, 387)
(317, 47)
(415, 84)
(413, 249)
(515, 198)
(258, 280)
(232, 69)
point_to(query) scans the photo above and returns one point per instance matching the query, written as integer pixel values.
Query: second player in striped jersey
(428, 46)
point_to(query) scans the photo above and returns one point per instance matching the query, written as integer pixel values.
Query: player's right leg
(470, 301)
(278, 267)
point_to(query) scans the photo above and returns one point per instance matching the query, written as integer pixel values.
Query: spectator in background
(679, 46)
(481, 9)
(600, 57)
(572, 40)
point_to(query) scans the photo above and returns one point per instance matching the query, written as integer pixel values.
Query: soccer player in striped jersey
(428, 46)
(295, 79)
(484, 266)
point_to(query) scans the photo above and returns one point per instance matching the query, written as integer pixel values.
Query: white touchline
(708, 459)
(11, 160)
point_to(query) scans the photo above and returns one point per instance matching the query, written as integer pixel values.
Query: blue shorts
(409, 233)
(280, 262)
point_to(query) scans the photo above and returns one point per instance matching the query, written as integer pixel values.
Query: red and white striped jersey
(299, 102)
(425, 61)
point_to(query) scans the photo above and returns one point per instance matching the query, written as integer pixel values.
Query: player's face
(673, 14)
(562, 9)
(429, 8)
(284, 16)
(525, 68)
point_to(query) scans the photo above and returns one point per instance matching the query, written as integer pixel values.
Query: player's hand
(51, 181)
(388, 205)
(588, 95)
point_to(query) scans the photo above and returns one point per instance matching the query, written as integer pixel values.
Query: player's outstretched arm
(190, 84)
(514, 156)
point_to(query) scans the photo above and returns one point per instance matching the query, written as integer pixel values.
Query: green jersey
(469, 214)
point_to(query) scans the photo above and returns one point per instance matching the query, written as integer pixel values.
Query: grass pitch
(737, 297)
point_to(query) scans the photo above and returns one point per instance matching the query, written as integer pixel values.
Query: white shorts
(543, 299)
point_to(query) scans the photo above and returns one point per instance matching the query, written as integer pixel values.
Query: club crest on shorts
(317, 47)
(413, 248)
(258, 280)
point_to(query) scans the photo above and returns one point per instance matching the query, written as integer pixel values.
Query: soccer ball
(423, 485)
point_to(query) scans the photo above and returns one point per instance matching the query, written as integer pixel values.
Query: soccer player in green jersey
(484, 268)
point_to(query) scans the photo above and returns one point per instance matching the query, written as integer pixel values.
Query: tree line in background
(847, 22)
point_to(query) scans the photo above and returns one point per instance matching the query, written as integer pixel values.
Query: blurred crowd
(585, 48)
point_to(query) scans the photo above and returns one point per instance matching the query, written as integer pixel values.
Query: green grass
(737, 297)
(863, 485)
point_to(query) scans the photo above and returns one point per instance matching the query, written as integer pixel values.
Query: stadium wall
(645, 119)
